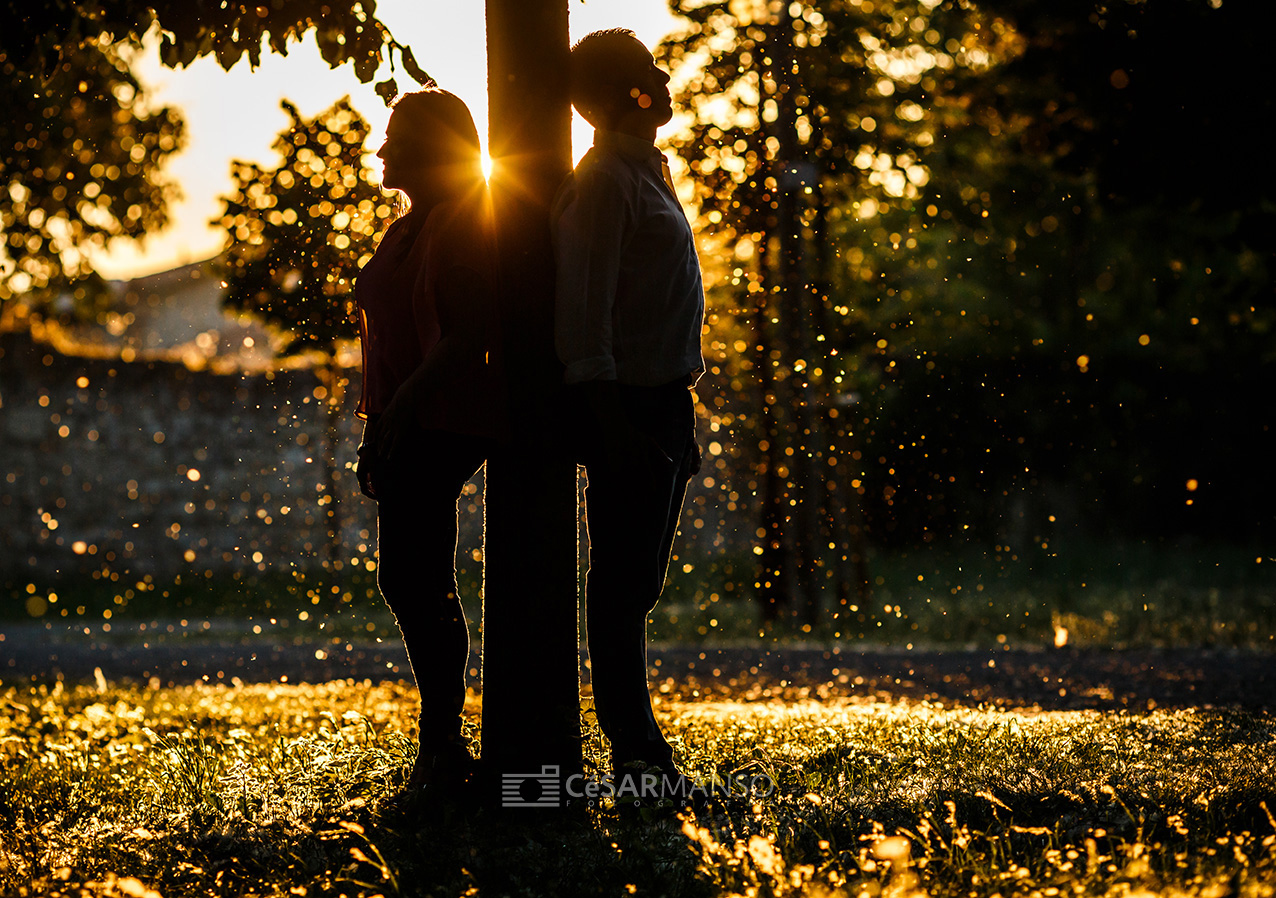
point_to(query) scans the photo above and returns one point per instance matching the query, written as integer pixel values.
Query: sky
(236, 114)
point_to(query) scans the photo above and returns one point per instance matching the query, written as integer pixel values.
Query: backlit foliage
(998, 256)
(35, 34)
(865, 84)
(298, 233)
(805, 115)
(76, 166)
(81, 155)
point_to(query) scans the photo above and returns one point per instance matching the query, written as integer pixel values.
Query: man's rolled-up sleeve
(588, 230)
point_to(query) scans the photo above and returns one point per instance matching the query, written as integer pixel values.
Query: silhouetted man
(629, 310)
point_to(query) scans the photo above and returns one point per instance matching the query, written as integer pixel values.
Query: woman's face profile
(402, 155)
(419, 155)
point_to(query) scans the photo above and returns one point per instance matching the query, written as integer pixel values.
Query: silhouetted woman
(431, 399)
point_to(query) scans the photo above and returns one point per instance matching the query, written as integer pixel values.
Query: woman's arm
(367, 455)
(463, 298)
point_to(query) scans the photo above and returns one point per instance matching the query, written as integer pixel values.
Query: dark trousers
(417, 491)
(633, 516)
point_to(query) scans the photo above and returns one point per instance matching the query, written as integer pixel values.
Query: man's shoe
(656, 790)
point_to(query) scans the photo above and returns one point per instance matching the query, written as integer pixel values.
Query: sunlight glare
(209, 98)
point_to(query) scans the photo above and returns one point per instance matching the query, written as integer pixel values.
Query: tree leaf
(418, 74)
(387, 90)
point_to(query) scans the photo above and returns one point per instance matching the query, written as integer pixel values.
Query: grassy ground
(273, 789)
(281, 790)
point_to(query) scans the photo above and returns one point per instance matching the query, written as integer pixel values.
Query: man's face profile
(645, 83)
(619, 85)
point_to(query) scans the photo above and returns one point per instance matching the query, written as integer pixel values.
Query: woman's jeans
(417, 490)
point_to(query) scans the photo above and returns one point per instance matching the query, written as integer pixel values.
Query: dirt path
(1136, 679)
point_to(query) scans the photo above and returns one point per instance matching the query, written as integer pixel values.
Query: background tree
(296, 236)
(1025, 260)
(1170, 248)
(1094, 300)
(81, 153)
(803, 113)
(36, 36)
(81, 160)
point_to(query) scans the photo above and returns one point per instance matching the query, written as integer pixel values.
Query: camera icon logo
(532, 790)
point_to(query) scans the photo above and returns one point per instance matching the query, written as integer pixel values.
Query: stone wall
(149, 467)
(155, 468)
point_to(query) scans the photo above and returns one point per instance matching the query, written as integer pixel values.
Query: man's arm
(589, 227)
(626, 446)
(589, 223)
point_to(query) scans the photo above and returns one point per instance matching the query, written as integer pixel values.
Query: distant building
(173, 315)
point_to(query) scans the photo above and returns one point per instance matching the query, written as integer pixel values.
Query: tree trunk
(531, 661)
(843, 512)
(793, 277)
(773, 582)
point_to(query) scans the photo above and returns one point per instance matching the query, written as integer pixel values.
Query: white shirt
(629, 303)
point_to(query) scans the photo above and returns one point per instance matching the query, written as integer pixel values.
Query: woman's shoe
(442, 772)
